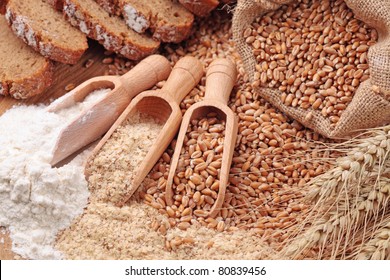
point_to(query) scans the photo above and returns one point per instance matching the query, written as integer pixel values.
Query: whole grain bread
(200, 8)
(111, 31)
(58, 4)
(45, 30)
(168, 20)
(110, 6)
(23, 72)
(137, 17)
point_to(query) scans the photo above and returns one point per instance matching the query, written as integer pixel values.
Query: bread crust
(40, 42)
(171, 34)
(200, 8)
(98, 31)
(3, 3)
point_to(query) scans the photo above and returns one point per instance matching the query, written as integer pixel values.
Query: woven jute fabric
(369, 108)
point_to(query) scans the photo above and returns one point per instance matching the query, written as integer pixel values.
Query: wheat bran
(109, 232)
(111, 170)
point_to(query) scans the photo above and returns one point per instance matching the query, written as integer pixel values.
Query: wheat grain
(316, 57)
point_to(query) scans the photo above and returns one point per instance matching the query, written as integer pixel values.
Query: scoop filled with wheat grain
(163, 107)
(209, 148)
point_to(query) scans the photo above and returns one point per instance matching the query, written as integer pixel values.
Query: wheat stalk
(339, 228)
(378, 246)
(360, 160)
(348, 198)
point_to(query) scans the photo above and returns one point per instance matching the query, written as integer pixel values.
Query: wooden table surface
(64, 75)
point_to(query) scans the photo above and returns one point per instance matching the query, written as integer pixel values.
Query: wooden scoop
(163, 105)
(221, 77)
(93, 122)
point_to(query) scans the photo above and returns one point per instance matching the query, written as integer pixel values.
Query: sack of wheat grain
(324, 63)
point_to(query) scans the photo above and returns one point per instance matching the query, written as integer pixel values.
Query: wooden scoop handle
(146, 74)
(184, 77)
(220, 79)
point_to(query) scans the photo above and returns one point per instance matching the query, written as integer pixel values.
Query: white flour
(36, 200)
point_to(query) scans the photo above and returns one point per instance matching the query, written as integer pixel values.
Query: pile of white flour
(37, 201)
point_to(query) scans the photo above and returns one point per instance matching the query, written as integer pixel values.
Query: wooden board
(64, 75)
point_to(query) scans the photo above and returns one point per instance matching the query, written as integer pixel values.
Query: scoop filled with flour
(37, 200)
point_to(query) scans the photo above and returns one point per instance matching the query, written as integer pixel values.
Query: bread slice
(111, 31)
(137, 18)
(200, 8)
(23, 72)
(56, 4)
(110, 6)
(45, 30)
(168, 20)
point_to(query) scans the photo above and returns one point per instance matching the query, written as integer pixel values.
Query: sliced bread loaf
(167, 19)
(111, 31)
(23, 72)
(45, 30)
(200, 8)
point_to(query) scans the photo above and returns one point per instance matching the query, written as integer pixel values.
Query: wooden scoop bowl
(221, 77)
(163, 105)
(93, 122)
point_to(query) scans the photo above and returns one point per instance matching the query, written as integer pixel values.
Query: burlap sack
(368, 109)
